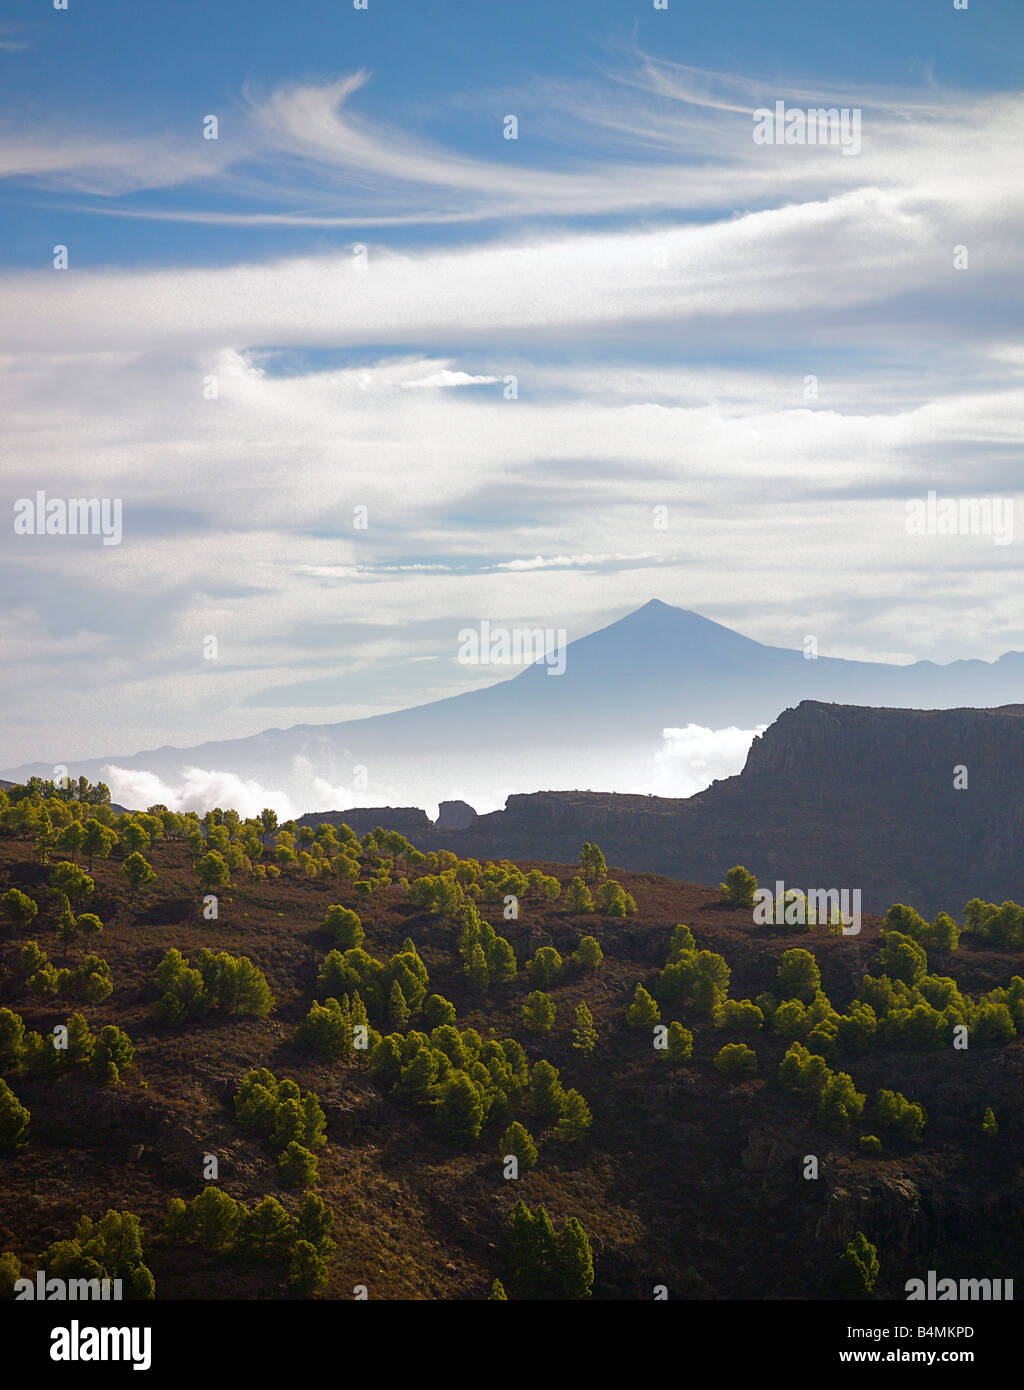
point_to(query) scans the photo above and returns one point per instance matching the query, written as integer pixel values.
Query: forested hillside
(244, 1060)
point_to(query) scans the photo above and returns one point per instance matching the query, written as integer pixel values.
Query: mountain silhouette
(597, 725)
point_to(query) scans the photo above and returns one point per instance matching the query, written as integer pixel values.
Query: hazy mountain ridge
(600, 723)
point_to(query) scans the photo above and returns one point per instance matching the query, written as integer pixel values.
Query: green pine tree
(575, 1260)
(576, 1118)
(857, 1268)
(546, 1094)
(398, 1009)
(517, 1140)
(14, 1121)
(539, 1012)
(643, 1012)
(584, 1034)
(680, 1045)
(460, 1108)
(267, 1232)
(297, 1166)
(476, 967)
(307, 1269)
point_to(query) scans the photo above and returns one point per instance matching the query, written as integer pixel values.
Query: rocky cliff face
(407, 820)
(831, 796)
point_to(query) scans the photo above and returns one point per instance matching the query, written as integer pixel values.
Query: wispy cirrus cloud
(648, 136)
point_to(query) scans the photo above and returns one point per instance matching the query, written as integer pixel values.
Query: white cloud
(691, 758)
(856, 249)
(449, 378)
(200, 790)
(668, 137)
(562, 562)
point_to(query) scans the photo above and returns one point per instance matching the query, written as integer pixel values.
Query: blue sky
(659, 286)
(127, 70)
